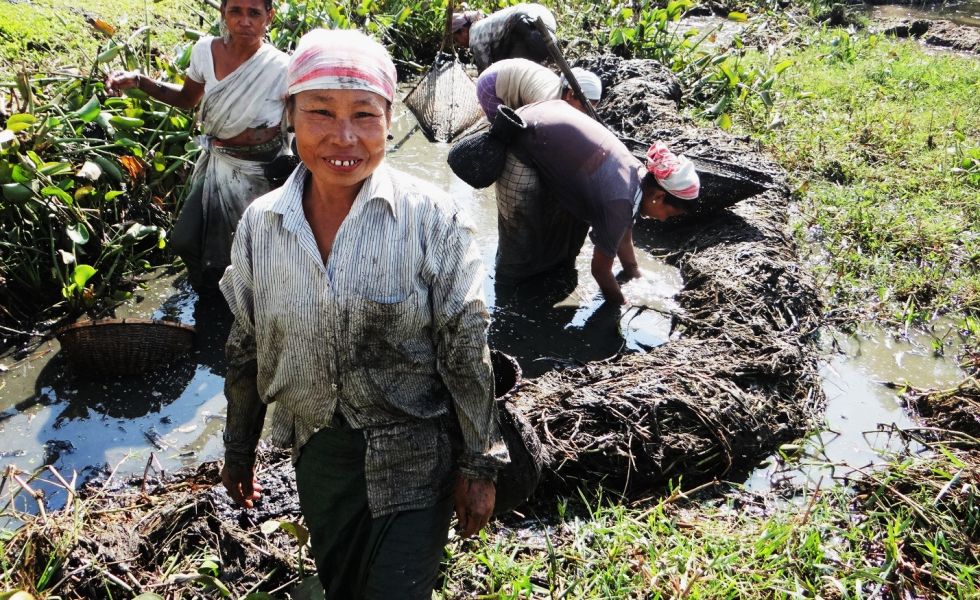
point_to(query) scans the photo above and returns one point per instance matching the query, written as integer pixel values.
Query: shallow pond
(174, 417)
(962, 12)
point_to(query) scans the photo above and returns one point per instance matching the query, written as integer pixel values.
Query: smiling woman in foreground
(358, 300)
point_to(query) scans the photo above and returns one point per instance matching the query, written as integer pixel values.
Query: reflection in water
(862, 412)
(962, 12)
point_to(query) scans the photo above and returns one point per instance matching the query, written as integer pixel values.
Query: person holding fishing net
(357, 292)
(575, 175)
(507, 33)
(239, 82)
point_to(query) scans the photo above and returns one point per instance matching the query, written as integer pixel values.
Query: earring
(390, 137)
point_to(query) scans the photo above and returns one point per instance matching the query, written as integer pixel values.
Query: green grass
(913, 529)
(47, 35)
(877, 136)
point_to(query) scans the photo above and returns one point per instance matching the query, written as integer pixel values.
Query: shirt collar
(289, 204)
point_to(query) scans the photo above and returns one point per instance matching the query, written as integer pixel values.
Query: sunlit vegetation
(882, 144)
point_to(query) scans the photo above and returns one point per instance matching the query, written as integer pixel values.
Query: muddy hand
(474, 504)
(242, 485)
(120, 81)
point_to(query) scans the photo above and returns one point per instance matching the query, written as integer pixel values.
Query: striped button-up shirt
(390, 332)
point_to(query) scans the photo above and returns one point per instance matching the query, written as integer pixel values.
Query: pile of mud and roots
(737, 379)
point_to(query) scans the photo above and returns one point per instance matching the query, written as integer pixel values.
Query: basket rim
(129, 321)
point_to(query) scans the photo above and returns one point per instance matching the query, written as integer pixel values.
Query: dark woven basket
(478, 159)
(724, 184)
(123, 346)
(517, 481)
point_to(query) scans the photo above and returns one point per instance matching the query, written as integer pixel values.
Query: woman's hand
(120, 81)
(474, 504)
(242, 485)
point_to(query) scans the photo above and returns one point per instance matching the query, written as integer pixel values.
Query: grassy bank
(882, 144)
(48, 35)
(909, 531)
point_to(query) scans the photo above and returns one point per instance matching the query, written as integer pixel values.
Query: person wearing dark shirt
(586, 171)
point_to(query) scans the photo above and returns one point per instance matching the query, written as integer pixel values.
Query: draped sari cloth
(227, 178)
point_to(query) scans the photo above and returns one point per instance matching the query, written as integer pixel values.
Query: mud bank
(739, 376)
(937, 34)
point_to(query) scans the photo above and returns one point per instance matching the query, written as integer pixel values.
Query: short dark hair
(268, 4)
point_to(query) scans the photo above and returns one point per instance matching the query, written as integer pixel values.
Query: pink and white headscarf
(675, 173)
(341, 59)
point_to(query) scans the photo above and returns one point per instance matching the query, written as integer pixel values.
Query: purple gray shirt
(590, 173)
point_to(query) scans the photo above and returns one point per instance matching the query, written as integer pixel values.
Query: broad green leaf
(113, 194)
(21, 175)
(53, 190)
(17, 192)
(53, 169)
(20, 121)
(739, 17)
(81, 274)
(782, 66)
(297, 531)
(78, 233)
(89, 111)
(403, 16)
(269, 527)
(108, 54)
(725, 121)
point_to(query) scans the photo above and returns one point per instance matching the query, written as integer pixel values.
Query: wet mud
(934, 33)
(739, 376)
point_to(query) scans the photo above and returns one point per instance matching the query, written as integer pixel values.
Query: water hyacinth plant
(89, 187)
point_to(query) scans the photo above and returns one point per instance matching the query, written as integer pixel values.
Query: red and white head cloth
(674, 172)
(341, 59)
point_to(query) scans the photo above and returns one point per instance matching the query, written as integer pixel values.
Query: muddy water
(862, 412)
(49, 415)
(962, 12)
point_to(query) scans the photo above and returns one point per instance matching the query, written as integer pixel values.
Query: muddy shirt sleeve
(460, 320)
(246, 411)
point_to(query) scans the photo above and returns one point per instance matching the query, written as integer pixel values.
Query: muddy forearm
(167, 93)
(603, 275)
(246, 414)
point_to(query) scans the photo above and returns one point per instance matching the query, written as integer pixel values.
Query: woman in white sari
(242, 82)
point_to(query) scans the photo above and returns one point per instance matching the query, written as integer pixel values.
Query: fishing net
(444, 100)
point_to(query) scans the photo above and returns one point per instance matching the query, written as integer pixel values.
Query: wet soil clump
(938, 34)
(156, 534)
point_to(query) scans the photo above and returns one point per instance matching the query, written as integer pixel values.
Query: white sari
(224, 184)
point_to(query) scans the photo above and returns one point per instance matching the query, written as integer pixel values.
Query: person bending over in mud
(575, 174)
(515, 82)
(357, 292)
(507, 33)
(239, 81)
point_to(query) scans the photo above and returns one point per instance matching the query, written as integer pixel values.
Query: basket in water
(123, 346)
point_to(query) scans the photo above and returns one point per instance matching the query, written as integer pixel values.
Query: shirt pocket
(392, 362)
